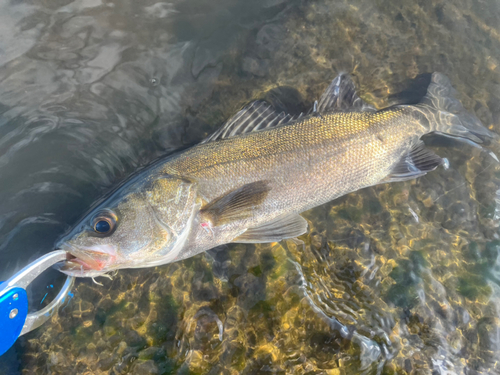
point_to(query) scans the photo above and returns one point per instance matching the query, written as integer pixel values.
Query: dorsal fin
(341, 96)
(255, 116)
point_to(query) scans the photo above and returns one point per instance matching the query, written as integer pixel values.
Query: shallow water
(398, 278)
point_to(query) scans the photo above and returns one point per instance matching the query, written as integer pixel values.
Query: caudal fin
(448, 116)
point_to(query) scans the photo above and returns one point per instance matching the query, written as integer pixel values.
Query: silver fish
(249, 181)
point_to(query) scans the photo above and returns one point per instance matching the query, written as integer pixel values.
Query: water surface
(401, 278)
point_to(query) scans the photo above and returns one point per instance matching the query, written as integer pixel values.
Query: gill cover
(173, 203)
(173, 206)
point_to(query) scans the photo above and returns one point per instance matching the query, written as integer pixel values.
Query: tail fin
(448, 116)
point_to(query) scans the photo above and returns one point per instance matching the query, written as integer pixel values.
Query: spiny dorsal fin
(341, 96)
(416, 163)
(283, 227)
(235, 205)
(255, 116)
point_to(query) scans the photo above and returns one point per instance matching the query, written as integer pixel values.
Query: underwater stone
(152, 352)
(107, 361)
(269, 39)
(251, 288)
(259, 68)
(145, 368)
(203, 57)
(488, 330)
(133, 338)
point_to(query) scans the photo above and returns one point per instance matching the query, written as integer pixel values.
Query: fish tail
(447, 116)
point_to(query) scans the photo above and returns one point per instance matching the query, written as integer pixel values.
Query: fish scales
(313, 152)
(326, 143)
(249, 181)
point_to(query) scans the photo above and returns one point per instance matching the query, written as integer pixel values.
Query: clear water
(395, 279)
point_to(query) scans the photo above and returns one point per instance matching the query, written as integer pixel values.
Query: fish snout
(88, 259)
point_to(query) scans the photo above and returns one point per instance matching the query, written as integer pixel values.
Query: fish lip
(87, 261)
(76, 272)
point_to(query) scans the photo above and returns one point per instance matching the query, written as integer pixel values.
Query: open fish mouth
(88, 261)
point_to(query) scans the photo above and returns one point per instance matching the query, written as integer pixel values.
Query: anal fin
(235, 205)
(283, 227)
(416, 163)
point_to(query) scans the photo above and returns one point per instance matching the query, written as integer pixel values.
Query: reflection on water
(399, 278)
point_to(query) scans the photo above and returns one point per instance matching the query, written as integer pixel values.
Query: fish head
(142, 225)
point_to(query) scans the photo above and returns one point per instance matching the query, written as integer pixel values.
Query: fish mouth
(88, 261)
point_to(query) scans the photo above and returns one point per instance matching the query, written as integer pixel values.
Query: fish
(249, 181)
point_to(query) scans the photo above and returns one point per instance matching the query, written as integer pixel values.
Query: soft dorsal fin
(416, 163)
(255, 116)
(341, 96)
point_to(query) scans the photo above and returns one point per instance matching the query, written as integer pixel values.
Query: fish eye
(102, 226)
(104, 222)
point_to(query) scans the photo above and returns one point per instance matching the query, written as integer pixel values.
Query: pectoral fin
(416, 163)
(283, 227)
(236, 205)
